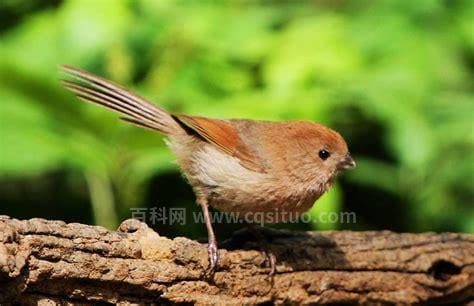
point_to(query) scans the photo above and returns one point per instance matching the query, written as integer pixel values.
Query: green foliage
(395, 77)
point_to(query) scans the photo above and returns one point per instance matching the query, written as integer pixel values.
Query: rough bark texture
(51, 262)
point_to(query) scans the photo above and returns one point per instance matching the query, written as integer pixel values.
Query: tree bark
(51, 262)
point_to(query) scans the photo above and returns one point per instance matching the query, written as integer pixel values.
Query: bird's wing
(224, 136)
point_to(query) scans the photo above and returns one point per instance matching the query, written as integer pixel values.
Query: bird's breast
(230, 187)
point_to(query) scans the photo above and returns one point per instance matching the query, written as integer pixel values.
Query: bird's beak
(347, 162)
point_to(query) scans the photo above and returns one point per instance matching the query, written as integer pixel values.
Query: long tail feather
(94, 89)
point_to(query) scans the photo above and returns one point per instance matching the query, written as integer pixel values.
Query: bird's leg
(212, 242)
(270, 256)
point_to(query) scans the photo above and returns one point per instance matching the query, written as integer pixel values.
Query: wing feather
(224, 136)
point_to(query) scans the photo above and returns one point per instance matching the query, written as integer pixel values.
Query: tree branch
(51, 261)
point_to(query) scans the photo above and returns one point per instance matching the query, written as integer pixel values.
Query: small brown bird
(273, 170)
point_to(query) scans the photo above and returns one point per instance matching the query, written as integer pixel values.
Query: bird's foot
(270, 261)
(213, 253)
(270, 258)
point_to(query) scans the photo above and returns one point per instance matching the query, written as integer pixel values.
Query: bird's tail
(137, 110)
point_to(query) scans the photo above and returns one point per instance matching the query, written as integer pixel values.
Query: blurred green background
(396, 78)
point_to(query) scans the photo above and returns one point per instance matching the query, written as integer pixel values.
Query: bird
(273, 170)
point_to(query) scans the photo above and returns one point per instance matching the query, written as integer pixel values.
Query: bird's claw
(271, 261)
(213, 258)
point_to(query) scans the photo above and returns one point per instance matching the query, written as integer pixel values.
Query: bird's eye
(324, 154)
